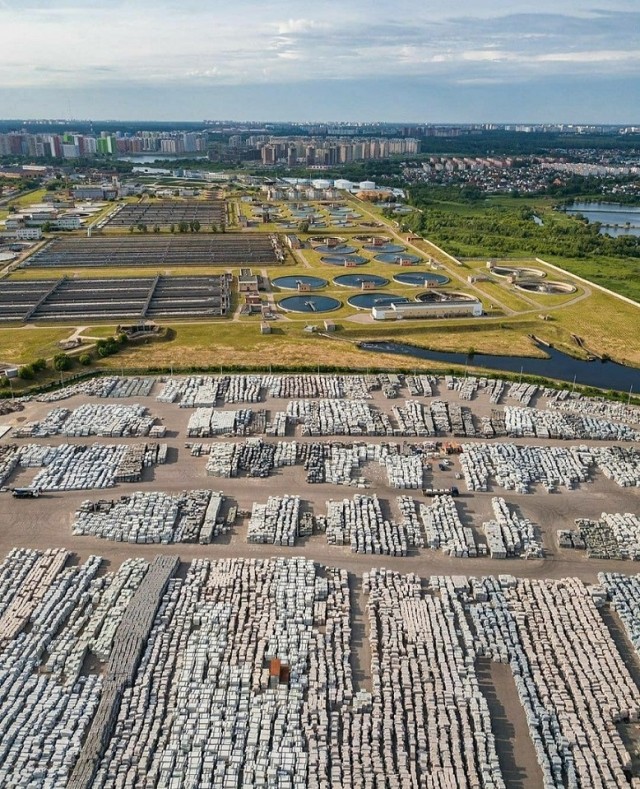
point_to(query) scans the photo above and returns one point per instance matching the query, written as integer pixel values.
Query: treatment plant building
(434, 309)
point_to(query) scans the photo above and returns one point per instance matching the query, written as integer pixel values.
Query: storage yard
(157, 251)
(77, 300)
(425, 622)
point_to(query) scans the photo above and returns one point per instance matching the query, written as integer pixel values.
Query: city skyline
(348, 60)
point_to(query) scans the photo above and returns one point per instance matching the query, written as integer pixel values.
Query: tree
(27, 373)
(156, 228)
(183, 227)
(131, 228)
(39, 364)
(85, 359)
(62, 362)
(172, 228)
(195, 226)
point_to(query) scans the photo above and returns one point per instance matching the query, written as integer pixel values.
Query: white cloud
(298, 26)
(92, 42)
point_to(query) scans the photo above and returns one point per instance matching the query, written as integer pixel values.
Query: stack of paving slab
(113, 421)
(410, 521)
(529, 422)
(404, 471)
(357, 387)
(275, 522)
(196, 391)
(278, 424)
(515, 467)
(510, 535)
(360, 523)
(414, 419)
(624, 593)
(620, 464)
(239, 672)
(206, 422)
(445, 530)
(155, 517)
(602, 409)
(569, 675)
(9, 461)
(523, 393)
(46, 710)
(614, 536)
(421, 385)
(338, 417)
(111, 386)
(78, 467)
(424, 675)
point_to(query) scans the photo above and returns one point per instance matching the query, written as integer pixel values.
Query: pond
(561, 366)
(616, 219)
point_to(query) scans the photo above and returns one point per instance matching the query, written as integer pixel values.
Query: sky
(425, 61)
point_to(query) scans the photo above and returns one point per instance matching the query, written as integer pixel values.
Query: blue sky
(347, 60)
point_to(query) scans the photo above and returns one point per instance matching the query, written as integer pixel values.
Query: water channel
(560, 366)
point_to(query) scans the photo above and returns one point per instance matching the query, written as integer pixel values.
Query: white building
(29, 233)
(458, 308)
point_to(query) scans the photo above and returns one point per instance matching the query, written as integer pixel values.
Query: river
(560, 366)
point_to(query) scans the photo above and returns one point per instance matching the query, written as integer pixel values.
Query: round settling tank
(517, 272)
(308, 303)
(421, 279)
(376, 241)
(327, 241)
(344, 260)
(439, 296)
(546, 287)
(294, 282)
(342, 249)
(358, 280)
(397, 259)
(365, 301)
(386, 247)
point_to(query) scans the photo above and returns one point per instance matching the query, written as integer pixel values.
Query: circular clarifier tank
(358, 280)
(421, 279)
(329, 241)
(344, 260)
(365, 301)
(293, 282)
(376, 240)
(387, 247)
(438, 296)
(308, 303)
(517, 272)
(342, 249)
(546, 287)
(404, 257)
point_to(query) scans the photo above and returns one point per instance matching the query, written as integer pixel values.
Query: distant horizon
(315, 122)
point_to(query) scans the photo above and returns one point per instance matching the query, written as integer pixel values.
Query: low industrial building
(433, 309)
